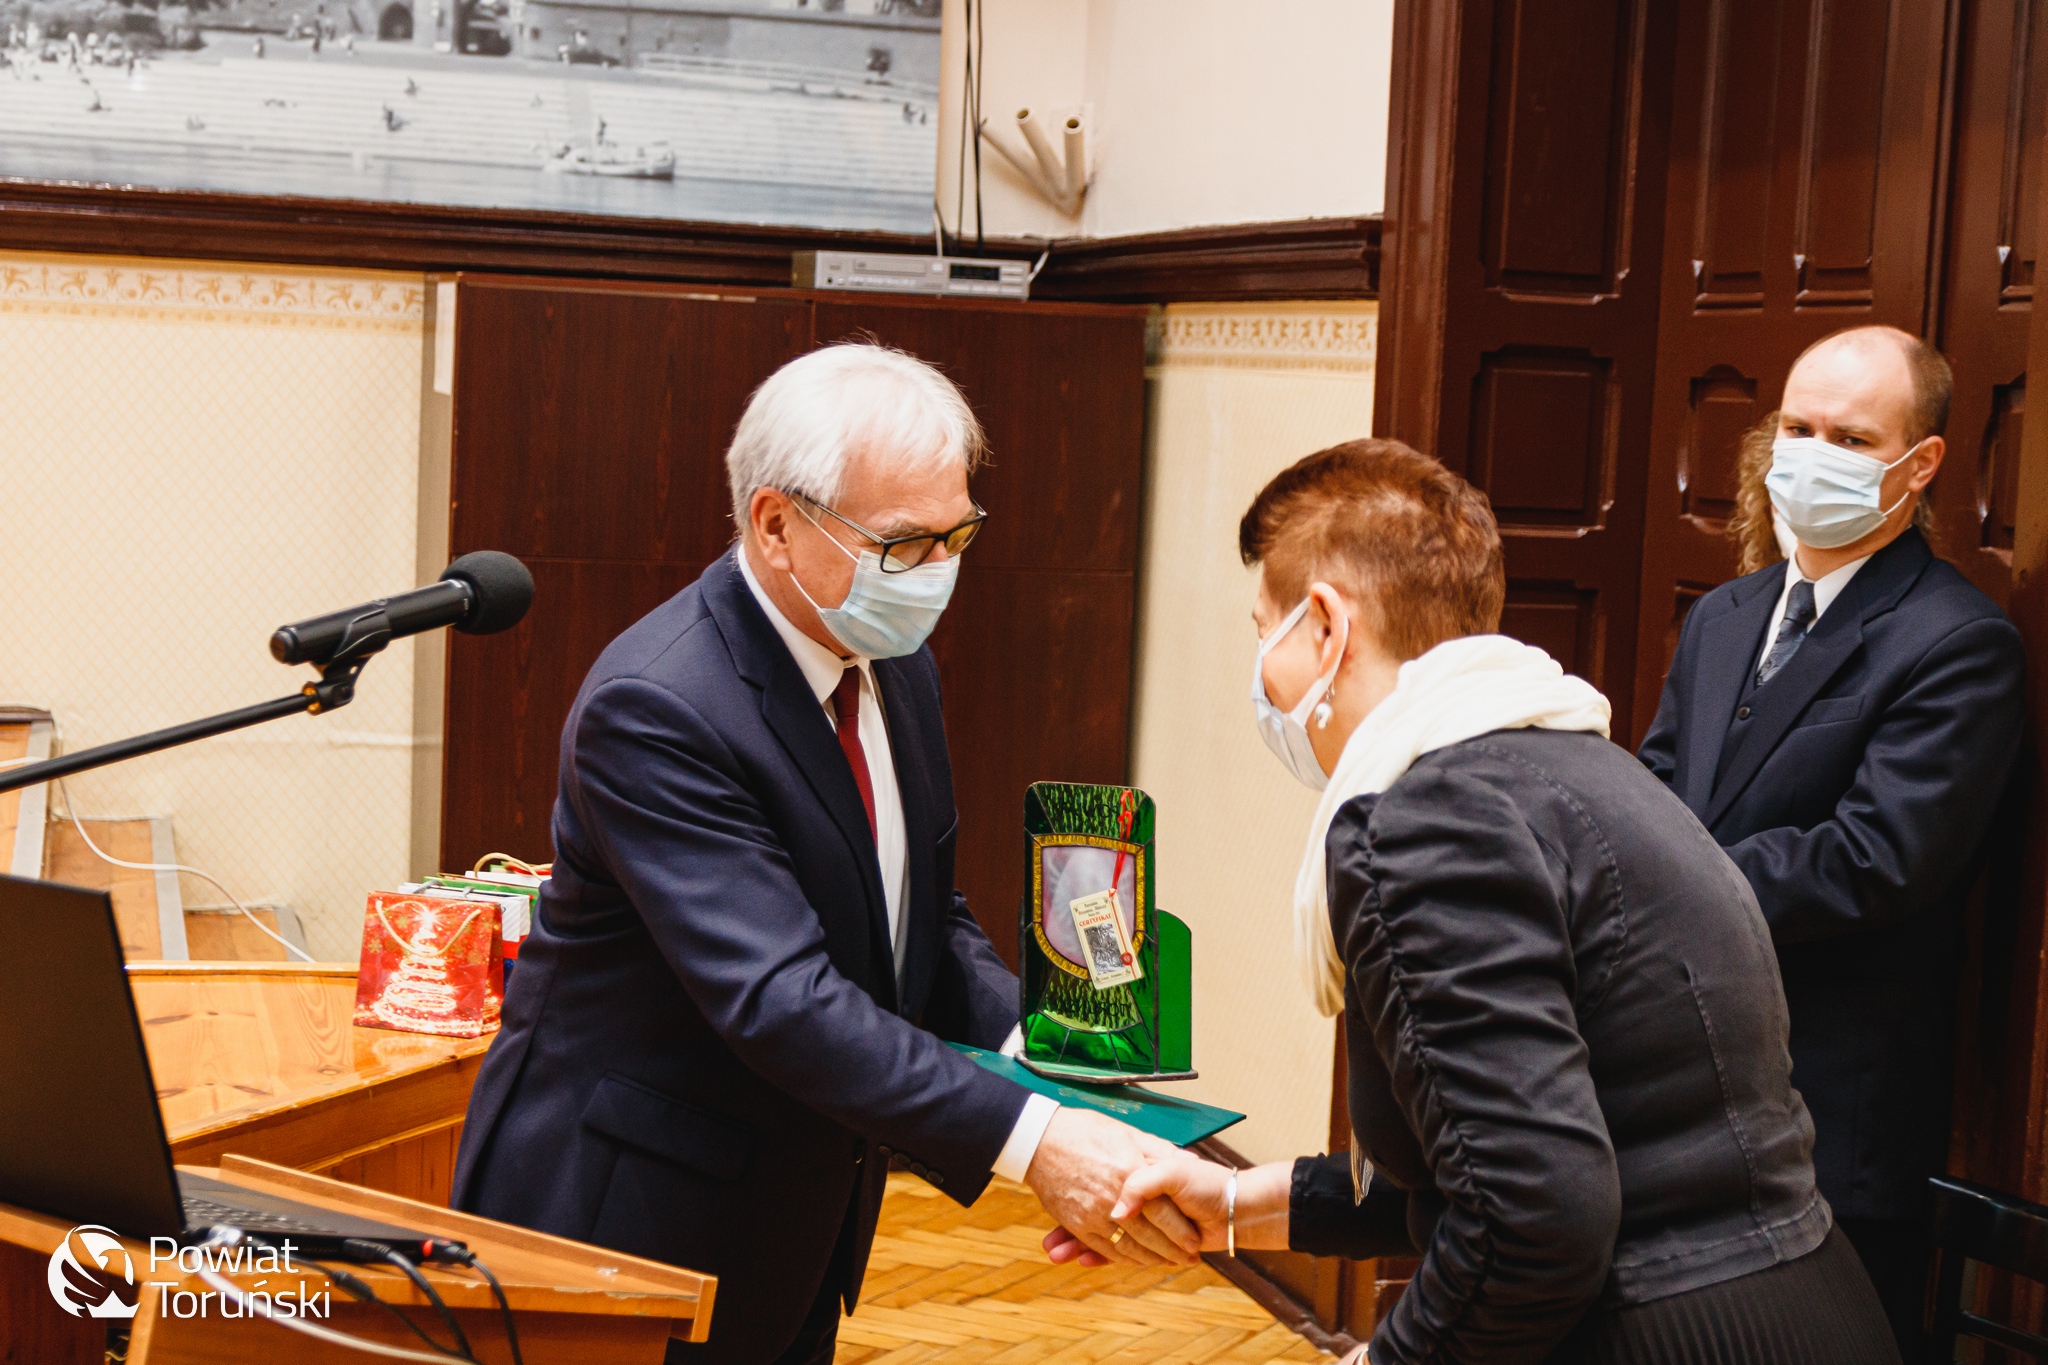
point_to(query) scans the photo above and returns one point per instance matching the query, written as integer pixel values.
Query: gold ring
(1116, 1236)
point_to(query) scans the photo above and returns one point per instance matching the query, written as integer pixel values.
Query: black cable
(462, 1255)
(967, 133)
(378, 1252)
(361, 1291)
(975, 23)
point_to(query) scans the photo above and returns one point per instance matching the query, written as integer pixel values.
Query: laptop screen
(80, 1133)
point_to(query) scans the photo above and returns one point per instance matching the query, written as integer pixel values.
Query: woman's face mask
(885, 615)
(1286, 732)
(1828, 496)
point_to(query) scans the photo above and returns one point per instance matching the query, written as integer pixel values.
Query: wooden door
(1524, 218)
(1035, 654)
(1994, 194)
(590, 434)
(1804, 165)
(1993, 225)
(591, 422)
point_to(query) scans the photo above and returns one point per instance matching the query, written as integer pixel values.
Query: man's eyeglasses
(907, 552)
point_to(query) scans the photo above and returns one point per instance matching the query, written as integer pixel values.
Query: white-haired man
(730, 1014)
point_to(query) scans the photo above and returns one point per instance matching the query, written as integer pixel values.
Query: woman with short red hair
(1569, 1092)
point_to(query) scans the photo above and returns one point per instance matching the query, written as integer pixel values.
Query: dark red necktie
(846, 709)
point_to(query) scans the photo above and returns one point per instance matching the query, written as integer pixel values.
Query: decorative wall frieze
(209, 291)
(1324, 338)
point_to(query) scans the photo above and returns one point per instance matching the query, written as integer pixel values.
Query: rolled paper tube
(1041, 147)
(1076, 149)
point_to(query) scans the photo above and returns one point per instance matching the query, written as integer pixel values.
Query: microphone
(479, 594)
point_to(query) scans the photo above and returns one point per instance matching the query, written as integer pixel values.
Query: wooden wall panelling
(590, 430)
(1317, 258)
(1993, 227)
(1524, 220)
(2001, 103)
(1306, 259)
(1035, 655)
(45, 216)
(589, 437)
(1804, 158)
(2020, 1099)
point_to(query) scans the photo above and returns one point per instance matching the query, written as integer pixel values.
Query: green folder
(1181, 1122)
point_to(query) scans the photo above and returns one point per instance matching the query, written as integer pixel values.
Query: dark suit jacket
(1854, 799)
(705, 1058)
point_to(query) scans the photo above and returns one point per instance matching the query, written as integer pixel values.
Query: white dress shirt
(822, 669)
(1826, 589)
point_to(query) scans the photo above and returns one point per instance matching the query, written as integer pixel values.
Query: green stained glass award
(1106, 973)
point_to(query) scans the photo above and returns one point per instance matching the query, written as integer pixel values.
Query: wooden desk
(261, 1059)
(573, 1303)
(259, 1062)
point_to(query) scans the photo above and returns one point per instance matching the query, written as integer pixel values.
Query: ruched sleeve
(1452, 919)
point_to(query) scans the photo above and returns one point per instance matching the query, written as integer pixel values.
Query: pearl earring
(1322, 714)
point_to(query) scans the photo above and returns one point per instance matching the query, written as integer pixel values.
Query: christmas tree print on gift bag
(430, 964)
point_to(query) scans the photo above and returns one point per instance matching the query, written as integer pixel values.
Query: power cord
(442, 1250)
(376, 1251)
(360, 1291)
(252, 1307)
(71, 813)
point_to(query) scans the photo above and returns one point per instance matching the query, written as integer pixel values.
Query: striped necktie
(1799, 615)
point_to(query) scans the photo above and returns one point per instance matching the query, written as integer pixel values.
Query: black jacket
(1854, 796)
(1567, 1046)
(704, 1058)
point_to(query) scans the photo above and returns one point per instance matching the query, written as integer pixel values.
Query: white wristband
(1230, 1204)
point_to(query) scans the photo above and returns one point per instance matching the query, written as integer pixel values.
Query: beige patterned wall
(1237, 393)
(193, 454)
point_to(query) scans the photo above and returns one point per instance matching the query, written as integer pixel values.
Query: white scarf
(1459, 689)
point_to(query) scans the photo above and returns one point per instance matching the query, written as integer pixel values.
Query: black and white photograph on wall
(815, 113)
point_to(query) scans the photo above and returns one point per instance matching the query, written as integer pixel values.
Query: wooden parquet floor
(954, 1286)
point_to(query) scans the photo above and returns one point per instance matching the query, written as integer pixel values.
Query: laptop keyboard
(204, 1213)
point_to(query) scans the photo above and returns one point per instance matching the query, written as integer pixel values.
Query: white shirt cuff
(1016, 1156)
(1013, 1046)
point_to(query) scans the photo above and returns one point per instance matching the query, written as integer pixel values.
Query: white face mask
(1286, 732)
(1788, 544)
(1828, 496)
(885, 615)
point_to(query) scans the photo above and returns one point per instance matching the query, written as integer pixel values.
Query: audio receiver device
(885, 273)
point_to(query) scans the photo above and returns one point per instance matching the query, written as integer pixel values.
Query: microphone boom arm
(367, 634)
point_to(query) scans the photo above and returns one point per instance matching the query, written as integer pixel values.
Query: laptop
(81, 1136)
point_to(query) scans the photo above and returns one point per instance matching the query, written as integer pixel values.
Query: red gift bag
(431, 964)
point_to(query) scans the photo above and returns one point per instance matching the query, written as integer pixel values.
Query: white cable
(249, 1306)
(71, 812)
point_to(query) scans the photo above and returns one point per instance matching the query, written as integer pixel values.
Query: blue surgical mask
(1828, 496)
(1286, 732)
(886, 615)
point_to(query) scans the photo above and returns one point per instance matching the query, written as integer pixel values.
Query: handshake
(1121, 1195)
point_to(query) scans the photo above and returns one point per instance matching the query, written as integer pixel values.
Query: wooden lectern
(572, 1303)
(261, 1073)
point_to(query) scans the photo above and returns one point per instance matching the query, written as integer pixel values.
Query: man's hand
(1078, 1174)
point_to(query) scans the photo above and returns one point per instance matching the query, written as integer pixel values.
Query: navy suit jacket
(1855, 797)
(705, 1057)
